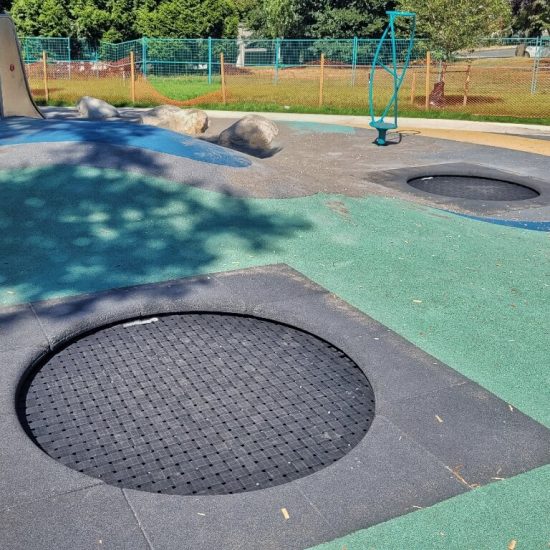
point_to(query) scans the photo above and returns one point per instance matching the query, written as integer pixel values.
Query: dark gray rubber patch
(476, 188)
(198, 404)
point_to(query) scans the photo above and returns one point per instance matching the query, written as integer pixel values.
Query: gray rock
(192, 122)
(95, 109)
(253, 133)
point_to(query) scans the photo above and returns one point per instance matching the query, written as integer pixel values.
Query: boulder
(95, 109)
(253, 133)
(185, 121)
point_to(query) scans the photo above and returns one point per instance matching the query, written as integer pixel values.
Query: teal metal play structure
(388, 58)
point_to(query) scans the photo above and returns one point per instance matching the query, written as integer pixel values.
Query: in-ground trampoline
(236, 410)
(473, 187)
(198, 404)
(481, 192)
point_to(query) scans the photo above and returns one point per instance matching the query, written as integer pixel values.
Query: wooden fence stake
(133, 76)
(413, 87)
(428, 67)
(322, 80)
(467, 84)
(222, 70)
(45, 71)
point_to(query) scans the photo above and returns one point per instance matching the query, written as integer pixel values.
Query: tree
(453, 25)
(89, 21)
(189, 19)
(5, 5)
(41, 17)
(322, 18)
(280, 16)
(354, 18)
(531, 17)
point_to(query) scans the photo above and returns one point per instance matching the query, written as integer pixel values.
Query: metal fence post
(354, 54)
(132, 76)
(222, 71)
(209, 60)
(536, 65)
(277, 60)
(322, 80)
(428, 69)
(45, 74)
(144, 56)
(69, 56)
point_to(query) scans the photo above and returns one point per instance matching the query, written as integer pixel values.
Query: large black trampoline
(473, 187)
(197, 404)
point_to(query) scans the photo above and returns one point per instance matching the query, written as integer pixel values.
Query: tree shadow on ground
(147, 140)
(69, 230)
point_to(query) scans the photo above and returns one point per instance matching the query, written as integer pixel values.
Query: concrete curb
(361, 121)
(409, 123)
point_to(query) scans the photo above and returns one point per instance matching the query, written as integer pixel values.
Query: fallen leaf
(285, 513)
(439, 419)
(512, 544)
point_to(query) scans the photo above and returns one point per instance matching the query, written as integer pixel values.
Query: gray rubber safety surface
(476, 188)
(197, 404)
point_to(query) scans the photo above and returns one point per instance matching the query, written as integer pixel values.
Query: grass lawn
(185, 87)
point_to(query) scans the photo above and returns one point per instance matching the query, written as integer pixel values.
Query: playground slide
(15, 94)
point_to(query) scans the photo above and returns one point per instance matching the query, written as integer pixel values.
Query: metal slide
(15, 94)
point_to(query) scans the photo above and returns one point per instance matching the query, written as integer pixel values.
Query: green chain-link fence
(499, 77)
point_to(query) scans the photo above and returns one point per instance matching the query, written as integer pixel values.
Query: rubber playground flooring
(473, 294)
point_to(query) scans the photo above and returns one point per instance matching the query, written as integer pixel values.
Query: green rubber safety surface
(489, 518)
(474, 295)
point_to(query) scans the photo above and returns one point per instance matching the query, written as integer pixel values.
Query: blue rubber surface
(20, 130)
(531, 225)
(305, 127)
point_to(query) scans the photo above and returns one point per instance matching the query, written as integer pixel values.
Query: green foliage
(120, 20)
(356, 18)
(453, 25)
(319, 18)
(90, 22)
(41, 17)
(5, 5)
(189, 19)
(280, 16)
(531, 17)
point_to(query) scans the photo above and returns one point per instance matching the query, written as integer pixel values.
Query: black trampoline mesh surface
(476, 188)
(198, 404)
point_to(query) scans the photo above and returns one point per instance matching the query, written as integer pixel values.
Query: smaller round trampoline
(473, 188)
